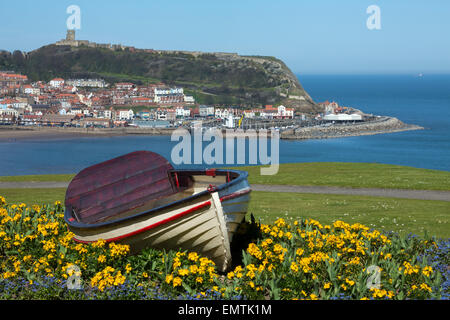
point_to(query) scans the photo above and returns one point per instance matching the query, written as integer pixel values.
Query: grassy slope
(400, 215)
(355, 175)
(33, 196)
(38, 178)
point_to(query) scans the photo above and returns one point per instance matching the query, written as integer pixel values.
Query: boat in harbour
(141, 200)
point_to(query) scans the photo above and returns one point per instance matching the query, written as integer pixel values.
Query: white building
(206, 111)
(183, 112)
(229, 122)
(342, 117)
(169, 95)
(104, 114)
(57, 82)
(168, 91)
(285, 112)
(9, 112)
(75, 111)
(249, 114)
(221, 113)
(189, 99)
(124, 114)
(270, 112)
(32, 91)
(93, 83)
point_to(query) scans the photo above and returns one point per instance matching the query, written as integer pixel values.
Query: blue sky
(312, 37)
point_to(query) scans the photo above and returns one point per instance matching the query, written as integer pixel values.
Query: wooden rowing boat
(141, 200)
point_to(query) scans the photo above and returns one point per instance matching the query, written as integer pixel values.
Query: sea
(422, 100)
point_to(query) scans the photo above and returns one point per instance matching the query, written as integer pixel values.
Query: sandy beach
(18, 133)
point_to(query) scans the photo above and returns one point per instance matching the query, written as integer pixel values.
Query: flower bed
(299, 260)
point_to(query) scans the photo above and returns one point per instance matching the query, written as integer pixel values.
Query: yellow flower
(254, 251)
(425, 287)
(355, 260)
(379, 293)
(177, 282)
(427, 271)
(145, 274)
(183, 272)
(266, 242)
(294, 267)
(193, 256)
(180, 254)
(176, 262)
(349, 282)
(193, 269)
(327, 285)
(117, 250)
(99, 243)
(280, 223)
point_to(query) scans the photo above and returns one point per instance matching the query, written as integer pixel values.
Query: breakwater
(376, 126)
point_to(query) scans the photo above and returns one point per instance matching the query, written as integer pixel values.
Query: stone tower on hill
(70, 35)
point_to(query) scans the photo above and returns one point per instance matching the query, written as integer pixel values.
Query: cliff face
(211, 77)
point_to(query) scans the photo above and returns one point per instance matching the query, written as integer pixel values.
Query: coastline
(379, 126)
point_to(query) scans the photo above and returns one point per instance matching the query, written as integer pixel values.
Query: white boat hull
(198, 226)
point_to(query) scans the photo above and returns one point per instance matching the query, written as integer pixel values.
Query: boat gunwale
(242, 175)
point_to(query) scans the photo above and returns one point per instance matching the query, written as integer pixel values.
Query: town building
(57, 82)
(56, 120)
(123, 114)
(183, 112)
(206, 111)
(91, 83)
(124, 86)
(9, 79)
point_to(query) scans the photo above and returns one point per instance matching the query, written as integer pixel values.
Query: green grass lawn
(399, 215)
(33, 196)
(354, 175)
(38, 178)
